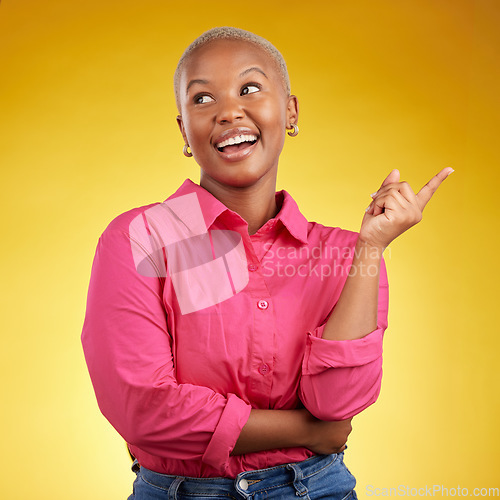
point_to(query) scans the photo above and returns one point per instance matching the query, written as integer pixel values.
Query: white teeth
(237, 140)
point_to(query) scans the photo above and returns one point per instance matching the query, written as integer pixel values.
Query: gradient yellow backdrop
(87, 131)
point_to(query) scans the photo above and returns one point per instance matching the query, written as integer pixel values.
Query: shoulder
(155, 212)
(337, 244)
(335, 236)
(126, 243)
(121, 223)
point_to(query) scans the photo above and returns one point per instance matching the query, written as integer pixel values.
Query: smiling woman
(225, 376)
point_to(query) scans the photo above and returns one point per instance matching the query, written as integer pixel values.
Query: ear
(292, 110)
(181, 128)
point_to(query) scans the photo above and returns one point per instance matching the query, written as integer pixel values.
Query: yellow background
(88, 131)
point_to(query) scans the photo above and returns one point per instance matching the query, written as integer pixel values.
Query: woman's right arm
(128, 351)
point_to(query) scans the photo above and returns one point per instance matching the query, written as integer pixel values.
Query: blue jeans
(323, 476)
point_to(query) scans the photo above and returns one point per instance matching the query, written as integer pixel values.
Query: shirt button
(252, 267)
(243, 484)
(263, 304)
(264, 369)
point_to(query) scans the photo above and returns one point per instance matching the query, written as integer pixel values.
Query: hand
(325, 438)
(395, 208)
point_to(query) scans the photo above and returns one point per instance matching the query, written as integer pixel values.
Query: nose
(229, 110)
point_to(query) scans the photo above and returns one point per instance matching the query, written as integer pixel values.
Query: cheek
(271, 113)
(194, 130)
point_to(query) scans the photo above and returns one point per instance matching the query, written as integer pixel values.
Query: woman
(229, 341)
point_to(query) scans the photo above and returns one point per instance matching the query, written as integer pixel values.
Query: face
(234, 111)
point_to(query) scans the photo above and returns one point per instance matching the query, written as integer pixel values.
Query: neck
(256, 203)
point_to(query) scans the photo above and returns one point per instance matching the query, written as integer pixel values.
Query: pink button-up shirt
(191, 323)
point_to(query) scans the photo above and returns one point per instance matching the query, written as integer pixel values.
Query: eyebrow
(253, 68)
(242, 74)
(192, 82)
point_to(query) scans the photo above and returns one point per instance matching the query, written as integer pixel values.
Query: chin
(237, 177)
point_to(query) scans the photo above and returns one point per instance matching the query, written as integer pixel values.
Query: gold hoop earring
(295, 129)
(186, 152)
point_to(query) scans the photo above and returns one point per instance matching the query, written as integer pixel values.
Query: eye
(250, 89)
(202, 99)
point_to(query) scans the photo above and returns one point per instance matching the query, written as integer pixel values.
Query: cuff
(322, 354)
(227, 432)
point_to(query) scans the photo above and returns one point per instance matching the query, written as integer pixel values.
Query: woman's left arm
(394, 209)
(358, 321)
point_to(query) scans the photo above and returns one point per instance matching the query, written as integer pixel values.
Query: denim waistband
(246, 483)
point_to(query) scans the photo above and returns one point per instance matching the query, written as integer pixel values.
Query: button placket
(263, 331)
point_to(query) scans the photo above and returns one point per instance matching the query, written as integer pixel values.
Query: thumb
(392, 177)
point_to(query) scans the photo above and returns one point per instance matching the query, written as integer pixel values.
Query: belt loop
(297, 480)
(135, 466)
(172, 490)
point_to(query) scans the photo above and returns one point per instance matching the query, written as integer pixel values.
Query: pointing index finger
(425, 194)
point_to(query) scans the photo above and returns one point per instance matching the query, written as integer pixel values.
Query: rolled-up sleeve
(342, 378)
(128, 350)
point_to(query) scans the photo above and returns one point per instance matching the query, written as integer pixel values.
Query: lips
(236, 144)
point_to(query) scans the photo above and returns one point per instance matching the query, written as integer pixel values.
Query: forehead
(227, 57)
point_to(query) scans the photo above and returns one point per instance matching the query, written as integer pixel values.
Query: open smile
(236, 144)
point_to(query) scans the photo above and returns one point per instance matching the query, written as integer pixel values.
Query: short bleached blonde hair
(230, 33)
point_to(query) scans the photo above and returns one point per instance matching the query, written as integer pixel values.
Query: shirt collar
(289, 213)
(291, 216)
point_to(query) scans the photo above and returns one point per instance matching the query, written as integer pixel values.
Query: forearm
(275, 429)
(355, 314)
(271, 429)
